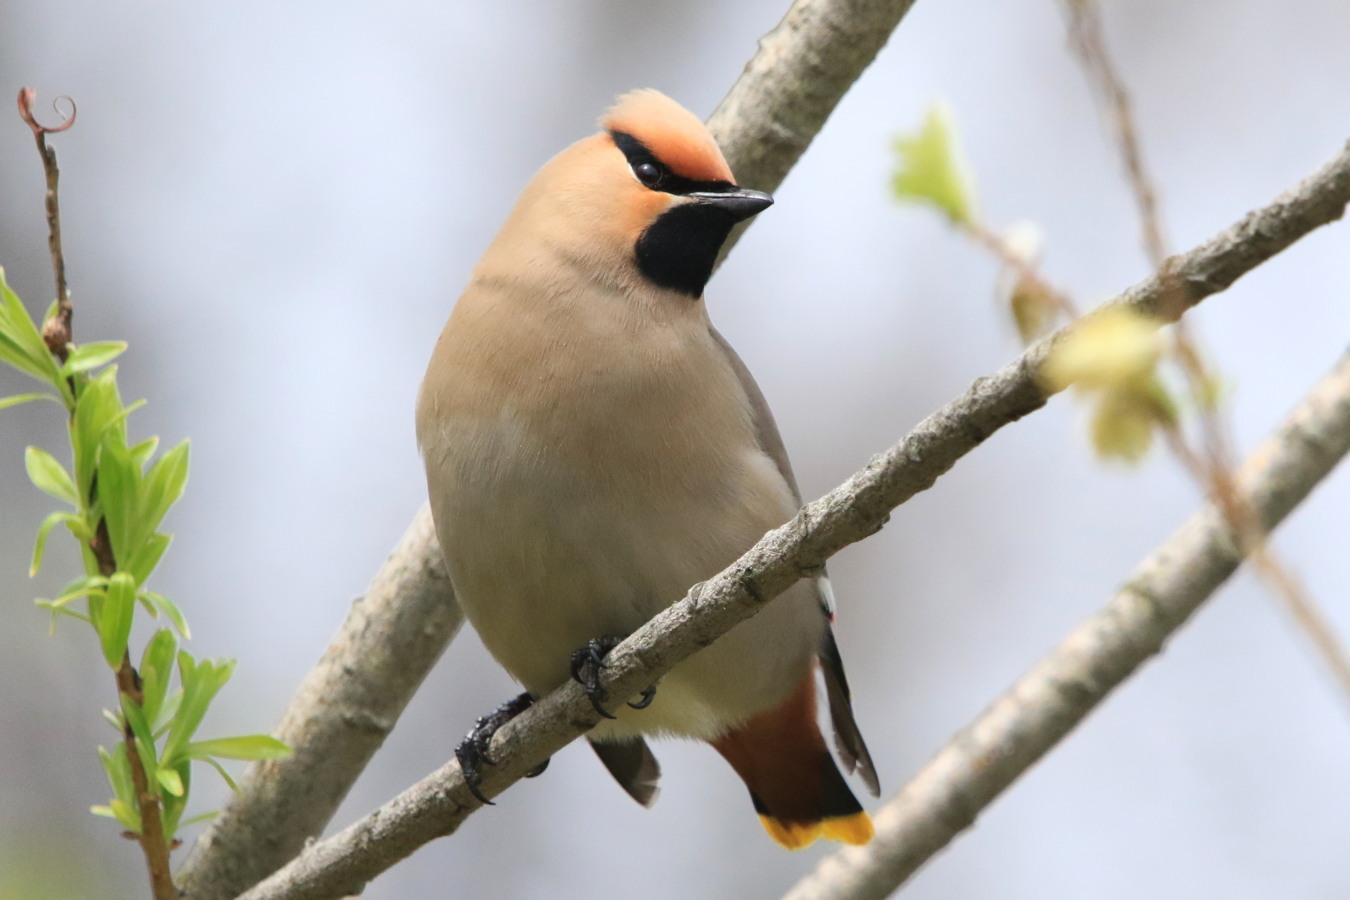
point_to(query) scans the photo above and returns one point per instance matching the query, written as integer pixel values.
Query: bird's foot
(473, 751)
(586, 665)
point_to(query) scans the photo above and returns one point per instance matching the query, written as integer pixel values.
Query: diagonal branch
(437, 805)
(1042, 707)
(350, 701)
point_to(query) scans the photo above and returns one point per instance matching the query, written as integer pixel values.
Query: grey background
(277, 203)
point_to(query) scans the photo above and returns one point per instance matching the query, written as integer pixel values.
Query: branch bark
(350, 701)
(1042, 707)
(437, 805)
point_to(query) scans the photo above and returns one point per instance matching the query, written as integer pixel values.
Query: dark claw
(472, 752)
(647, 696)
(537, 770)
(586, 665)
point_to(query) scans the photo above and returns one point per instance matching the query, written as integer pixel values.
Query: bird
(594, 447)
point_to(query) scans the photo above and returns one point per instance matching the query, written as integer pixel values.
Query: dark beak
(740, 203)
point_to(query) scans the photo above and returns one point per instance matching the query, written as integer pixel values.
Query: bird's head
(650, 194)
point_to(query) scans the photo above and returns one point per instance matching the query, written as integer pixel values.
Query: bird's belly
(547, 552)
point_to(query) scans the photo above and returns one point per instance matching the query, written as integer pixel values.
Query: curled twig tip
(28, 96)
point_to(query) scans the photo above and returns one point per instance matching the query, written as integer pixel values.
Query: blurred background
(277, 204)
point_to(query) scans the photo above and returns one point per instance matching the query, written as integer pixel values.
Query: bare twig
(1212, 467)
(56, 330)
(1025, 271)
(56, 333)
(1042, 707)
(354, 696)
(1085, 37)
(436, 806)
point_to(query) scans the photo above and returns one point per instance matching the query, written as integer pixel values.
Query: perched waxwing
(594, 448)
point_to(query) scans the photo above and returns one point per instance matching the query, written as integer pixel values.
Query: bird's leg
(472, 752)
(586, 665)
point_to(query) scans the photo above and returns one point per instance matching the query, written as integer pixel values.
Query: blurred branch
(1212, 466)
(1042, 707)
(437, 805)
(1089, 45)
(350, 701)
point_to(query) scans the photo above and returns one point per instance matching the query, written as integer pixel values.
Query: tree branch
(350, 701)
(438, 804)
(1042, 707)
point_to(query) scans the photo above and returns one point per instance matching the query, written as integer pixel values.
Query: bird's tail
(795, 785)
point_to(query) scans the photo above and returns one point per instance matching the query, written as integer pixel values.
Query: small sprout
(932, 169)
(1113, 357)
(1113, 350)
(1033, 308)
(1122, 428)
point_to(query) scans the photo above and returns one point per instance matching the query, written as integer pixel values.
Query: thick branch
(438, 804)
(1043, 706)
(351, 700)
(796, 78)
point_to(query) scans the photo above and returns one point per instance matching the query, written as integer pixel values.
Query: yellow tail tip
(854, 829)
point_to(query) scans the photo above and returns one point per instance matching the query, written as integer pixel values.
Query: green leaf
(252, 746)
(80, 587)
(91, 356)
(58, 611)
(21, 343)
(202, 817)
(49, 476)
(174, 804)
(167, 712)
(215, 764)
(930, 168)
(128, 814)
(201, 682)
(96, 410)
(163, 486)
(6, 402)
(142, 452)
(156, 668)
(169, 779)
(140, 728)
(117, 768)
(114, 623)
(151, 551)
(40, 547)
(119, 483)
(170, 610)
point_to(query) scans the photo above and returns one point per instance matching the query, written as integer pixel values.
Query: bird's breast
(583, 477)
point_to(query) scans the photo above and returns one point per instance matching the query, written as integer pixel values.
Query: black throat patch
(678, 250)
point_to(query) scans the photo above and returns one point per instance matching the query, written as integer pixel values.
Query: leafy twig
(57, 334)
(1212, 465)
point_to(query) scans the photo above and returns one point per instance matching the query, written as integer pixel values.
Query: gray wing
(847, 738)
(770, 441)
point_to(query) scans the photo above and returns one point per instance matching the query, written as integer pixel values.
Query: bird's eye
(647, 173)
